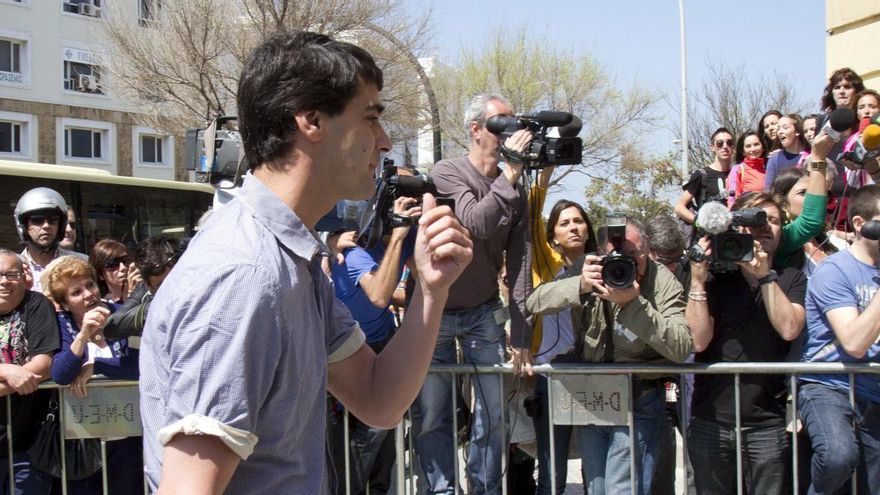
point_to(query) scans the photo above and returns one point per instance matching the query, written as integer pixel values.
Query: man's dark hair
(157, 253)
(863, 202)
(719, 131)
(291, 72)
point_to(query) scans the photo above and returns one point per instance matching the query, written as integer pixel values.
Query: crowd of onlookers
(537, 292)
(68, 316)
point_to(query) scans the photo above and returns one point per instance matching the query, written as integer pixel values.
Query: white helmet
(45, 200)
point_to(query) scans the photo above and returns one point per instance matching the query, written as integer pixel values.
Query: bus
(127, 209)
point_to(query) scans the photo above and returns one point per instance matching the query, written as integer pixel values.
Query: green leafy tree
(642, 188)
(534, 75)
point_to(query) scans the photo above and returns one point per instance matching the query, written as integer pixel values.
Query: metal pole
(454, 382)
(551, 425)
(685, 168)
(739, 446)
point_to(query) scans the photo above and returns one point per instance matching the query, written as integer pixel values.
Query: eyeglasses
(72, 224)
(114, 263)
(721, 142)
(12, 276)
(39, 220)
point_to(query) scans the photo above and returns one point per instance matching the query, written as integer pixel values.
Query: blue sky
(638, 40)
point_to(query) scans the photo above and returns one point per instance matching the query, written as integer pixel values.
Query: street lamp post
(685, 169)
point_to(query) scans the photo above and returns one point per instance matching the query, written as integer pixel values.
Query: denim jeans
(605, 452)
(482, 342)
(27, 479)
(766, 464)
(561, 439)
(838, 447)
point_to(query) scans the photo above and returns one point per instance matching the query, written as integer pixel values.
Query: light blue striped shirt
(237, 343)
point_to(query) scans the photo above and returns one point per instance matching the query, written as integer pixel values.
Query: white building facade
(55, 105)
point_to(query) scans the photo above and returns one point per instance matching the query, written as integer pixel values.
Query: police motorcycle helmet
(41, 200)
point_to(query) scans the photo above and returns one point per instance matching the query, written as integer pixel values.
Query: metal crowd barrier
(115, 412)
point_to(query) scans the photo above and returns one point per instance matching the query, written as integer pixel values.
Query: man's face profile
(356, 139)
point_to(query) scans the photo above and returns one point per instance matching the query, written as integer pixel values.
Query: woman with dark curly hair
(841, 90)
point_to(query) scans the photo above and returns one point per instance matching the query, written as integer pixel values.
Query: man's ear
(474, 129)
(310, 123)
(857, 223)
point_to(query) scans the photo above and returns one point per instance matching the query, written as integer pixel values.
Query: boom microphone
(839, 121)
(713, 218)
(549, 118)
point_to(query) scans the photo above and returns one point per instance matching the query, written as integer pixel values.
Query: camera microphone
(713, 218)
(571, 129)
(549, 118)
(838, 121)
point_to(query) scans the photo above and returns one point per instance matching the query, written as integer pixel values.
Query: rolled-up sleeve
(223, 351)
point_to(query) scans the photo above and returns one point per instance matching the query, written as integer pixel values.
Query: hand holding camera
(759, 265)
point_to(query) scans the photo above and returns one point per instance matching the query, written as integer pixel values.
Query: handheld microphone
(867, 147)
(713, 218)
(838, 121)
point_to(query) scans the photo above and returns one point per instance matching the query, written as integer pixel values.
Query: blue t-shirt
(777, 163)
(377, 323)
(841, 281)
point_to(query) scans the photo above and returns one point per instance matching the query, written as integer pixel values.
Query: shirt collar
(279, 219)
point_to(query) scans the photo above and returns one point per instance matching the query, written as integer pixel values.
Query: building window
(10, 56)
(91, 8)
(83, 143)
(10, 137)
(16, 135)
(151, 150)
(148, 11)
(83, 78)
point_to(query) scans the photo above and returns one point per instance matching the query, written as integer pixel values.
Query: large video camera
(544, 151)
(728, 245)
(214, 152)
(618, 270)
(381, 218)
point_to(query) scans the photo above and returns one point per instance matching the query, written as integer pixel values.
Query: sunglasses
(114, 263)
(721, 142)
(12, 276)
(42, 219)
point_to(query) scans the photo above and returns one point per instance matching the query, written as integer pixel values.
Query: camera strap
(608, 356)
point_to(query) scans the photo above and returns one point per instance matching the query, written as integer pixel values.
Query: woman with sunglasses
(72, 284)
(793, 145)
(708, 183)
(117, 276)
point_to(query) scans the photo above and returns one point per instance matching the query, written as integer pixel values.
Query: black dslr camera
(618, 269)
(543, 151)
(380, 218)
(730, 247)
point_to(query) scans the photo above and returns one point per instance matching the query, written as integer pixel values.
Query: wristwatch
(817, 165)
(771, 276)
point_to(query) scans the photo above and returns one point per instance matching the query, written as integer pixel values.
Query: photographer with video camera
(748, 314)
(491, 204)
(626, 308)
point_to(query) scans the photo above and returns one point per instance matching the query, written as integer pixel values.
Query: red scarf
(756, 164)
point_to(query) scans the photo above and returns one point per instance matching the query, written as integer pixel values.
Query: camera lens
(734, 247)
(618, 271)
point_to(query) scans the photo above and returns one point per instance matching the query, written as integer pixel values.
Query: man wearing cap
(41, 221)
